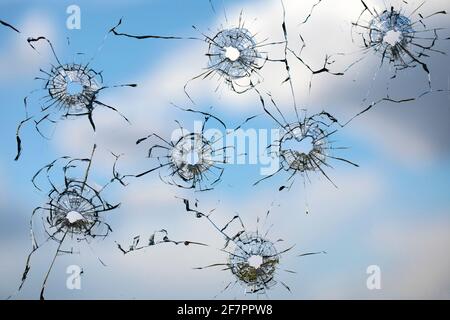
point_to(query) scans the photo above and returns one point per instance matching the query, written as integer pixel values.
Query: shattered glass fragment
(192, 156)
(189, 160)
(233, 53)
(68, 90)
(404, 40)
(76, 210)
(304, 145)
(253, 260)
(74, 86)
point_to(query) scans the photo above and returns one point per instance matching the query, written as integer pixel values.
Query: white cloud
(19, 60)
(418, 251)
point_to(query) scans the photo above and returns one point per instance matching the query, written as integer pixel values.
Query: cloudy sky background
(393, 211)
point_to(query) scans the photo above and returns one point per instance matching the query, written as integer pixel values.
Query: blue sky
(393, 211)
